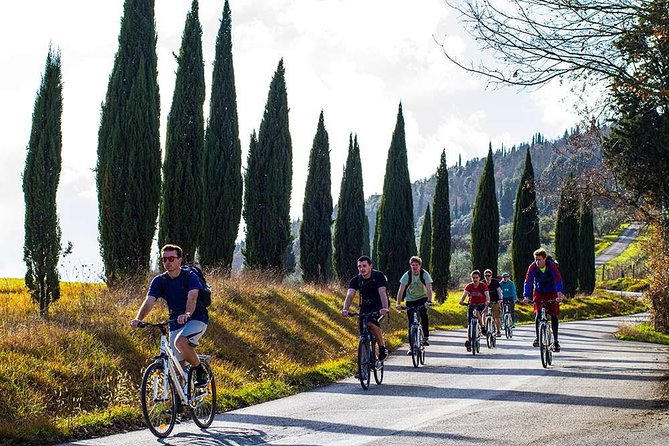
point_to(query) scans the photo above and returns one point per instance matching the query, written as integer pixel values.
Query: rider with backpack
(416, 288)
(187, 297)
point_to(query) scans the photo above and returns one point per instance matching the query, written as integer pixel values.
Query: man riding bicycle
(418, 286)
(495, 296)
(179, 287)
(543, 282)
(479, 298)
(509, 295)
(372, 285)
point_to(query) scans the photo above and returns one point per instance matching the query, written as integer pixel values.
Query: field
(77, 373)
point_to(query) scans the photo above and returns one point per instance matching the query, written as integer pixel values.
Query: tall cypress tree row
(349, 228)
(440, 266)
(485, 221)
(315, 231)
(128, 167)
(586, 243)
(426, 238)
(525, 233)
(268, 183)
(181, 210)
(566, 237)
(396, 241)
(40, 184)
(222, 201)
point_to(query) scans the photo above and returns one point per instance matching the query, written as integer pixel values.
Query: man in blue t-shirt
(179, 288)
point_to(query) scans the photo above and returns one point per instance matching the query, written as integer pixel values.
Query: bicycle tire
(159, 414)
(494, 340)
(414, 346)
(377, 366)
(489, 333)
(421, 349)
(473, 334)
(549, 355)
(508, 326)
(204, 410)
(543, 345)
(363, 364)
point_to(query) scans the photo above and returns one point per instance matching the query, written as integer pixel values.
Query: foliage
(315, 231)
(440, 256)
(351, 227)
(586, 246)
(128, 165)
(268, 183)
(40, 184)
(180, 207)
(222, 173)
(395, 237)
(641, 333)
(566, 238)
(426, 238)
(485, 221)
(525, 238)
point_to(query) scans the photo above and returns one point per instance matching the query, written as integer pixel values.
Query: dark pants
(420, 304)
(512, 308)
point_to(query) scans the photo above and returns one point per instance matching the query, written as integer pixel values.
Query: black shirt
(370, 299)
(493, 290)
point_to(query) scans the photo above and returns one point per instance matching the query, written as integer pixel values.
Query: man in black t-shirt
(372, 285)
(495, 297)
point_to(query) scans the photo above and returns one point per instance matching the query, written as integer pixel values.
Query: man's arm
(428, 287)
(143, 311)
(462, 299)
(384, 300)
(347, 302)
(400, 293)
(191, 303)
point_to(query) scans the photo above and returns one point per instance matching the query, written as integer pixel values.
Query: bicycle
(489, 324)
(507, 320)
(160, 403)
(416, 337)
(546, 339)
(474, 332)
(368, 359)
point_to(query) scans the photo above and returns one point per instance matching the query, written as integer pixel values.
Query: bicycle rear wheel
(159, 401)
(202, 400)
(414, 343)
(543, 345)
(473, 334)
(377, 365)
(364, 355)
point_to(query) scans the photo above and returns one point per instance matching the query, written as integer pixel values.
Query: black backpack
(204, 296)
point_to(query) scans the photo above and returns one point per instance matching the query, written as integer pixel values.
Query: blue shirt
(508, 289)
(175, 293)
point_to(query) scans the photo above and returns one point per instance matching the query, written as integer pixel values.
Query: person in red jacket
(479, 298)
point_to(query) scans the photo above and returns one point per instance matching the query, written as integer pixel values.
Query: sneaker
(468, 344)
(201, 377)
(425, 342)
(556, 347)
(383, 354)
(499, 334)
(535, 343)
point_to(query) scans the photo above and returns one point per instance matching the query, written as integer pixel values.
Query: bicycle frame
(172, 364)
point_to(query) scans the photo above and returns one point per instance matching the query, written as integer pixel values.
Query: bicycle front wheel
(508, 324)
(473, 334)
(489, 333)
(414, 345)
(202, 400)
(543, 345)
(551, 344)
(364, 355)
(377, 365)
(159, 401)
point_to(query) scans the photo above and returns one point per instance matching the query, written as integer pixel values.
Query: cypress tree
(426, 238)
(485, 221)
(586, 243)
(525, 233)
(181, 210)
(351, 225)
(315, 231)
(440, 266)
(566, 237)
(268, 183)
(40, 184)
(396, 240)
(222, 201)
(128, 167)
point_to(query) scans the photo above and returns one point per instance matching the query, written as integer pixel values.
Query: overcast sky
(356, 60)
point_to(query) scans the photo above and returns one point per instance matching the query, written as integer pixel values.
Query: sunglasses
(488, 275)
(170, 258)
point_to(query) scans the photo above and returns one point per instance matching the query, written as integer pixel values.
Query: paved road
(621, 243)
(599, 391)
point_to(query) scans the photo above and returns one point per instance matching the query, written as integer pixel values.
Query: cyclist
(479, 297)
(418, 286)
(543, 282)
(495, 295)
(509, 295)
(372, 285)
(179, 287)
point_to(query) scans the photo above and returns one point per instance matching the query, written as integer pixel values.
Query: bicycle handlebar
(143, 324)
(372, 314)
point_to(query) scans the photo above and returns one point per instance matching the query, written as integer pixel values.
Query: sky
(355, 60)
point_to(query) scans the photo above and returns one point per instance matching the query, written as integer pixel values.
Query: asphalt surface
(616, 248)
(599, 391)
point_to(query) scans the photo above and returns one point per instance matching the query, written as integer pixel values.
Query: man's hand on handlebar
(134, 323)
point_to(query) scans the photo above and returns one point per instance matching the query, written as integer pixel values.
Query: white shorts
(193, 331)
